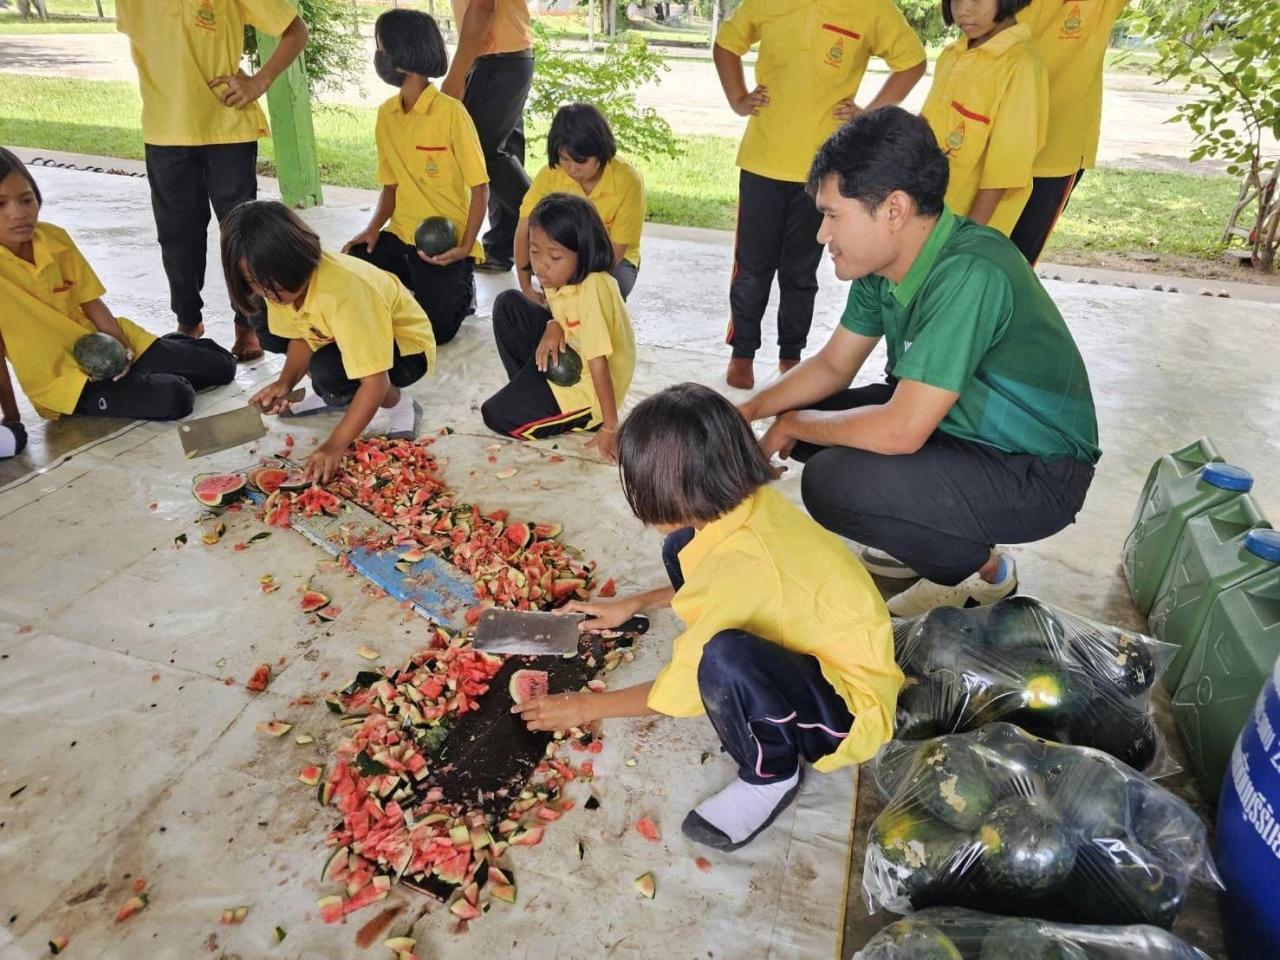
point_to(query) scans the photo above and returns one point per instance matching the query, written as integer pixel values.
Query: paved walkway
(1136, 135)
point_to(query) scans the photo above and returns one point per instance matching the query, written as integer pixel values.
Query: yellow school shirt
(767, 568)
(1072, 38)
(812, 55)
(618, 198)
(41, 318)
(432, 155)
(988, 109)
(178, 47)
(360, 308)
(596, 324)
(509, 31)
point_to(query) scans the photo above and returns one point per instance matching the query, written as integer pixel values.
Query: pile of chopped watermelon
(396, 826)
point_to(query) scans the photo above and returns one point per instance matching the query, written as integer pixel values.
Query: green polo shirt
(971, 316)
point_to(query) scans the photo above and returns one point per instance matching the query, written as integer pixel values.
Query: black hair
(574, 223)
(881, 151)
(1004, 10)
(412, 42)
(581, 131)
(279, 251)
(9, 163)
(686, 455)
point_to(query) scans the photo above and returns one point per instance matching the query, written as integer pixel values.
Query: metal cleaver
(222, 431)
(533, 633)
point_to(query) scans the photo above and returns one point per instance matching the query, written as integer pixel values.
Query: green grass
(12, 24)
(1112, 211)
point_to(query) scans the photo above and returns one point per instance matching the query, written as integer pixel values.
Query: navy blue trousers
(769, 706)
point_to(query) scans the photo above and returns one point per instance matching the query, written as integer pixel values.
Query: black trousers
(162, 383)
(941, 509)
(525, 408)
(445, 293)
(1048, 201)
(497, 88)
(769, 706)
(185, 182)
(329, 378)
(777, 234)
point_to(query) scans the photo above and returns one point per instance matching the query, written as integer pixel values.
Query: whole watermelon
(566, 371)
(435, 235)
(100, 355)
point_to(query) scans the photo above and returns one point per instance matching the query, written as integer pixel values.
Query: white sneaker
(885, 565)
(925, 595)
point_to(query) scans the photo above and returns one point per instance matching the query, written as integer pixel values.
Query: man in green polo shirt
(984, 432)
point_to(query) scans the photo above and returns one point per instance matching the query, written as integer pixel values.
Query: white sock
(740, 808)
(400, 417)
(8, 442)
(308, 403)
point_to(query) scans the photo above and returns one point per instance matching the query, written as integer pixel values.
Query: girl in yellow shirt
(351, 327)
(988, 107)
(430, 165)
(582, 159)
(787, 645)
(569, 363)
(50, 298)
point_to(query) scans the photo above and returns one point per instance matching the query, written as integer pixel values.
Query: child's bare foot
(787, 363)
(246, 347)
(192, 329)
(742, 373)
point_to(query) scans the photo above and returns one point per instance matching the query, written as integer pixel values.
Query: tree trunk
(101, 15)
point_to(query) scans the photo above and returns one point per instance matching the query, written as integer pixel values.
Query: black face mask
(386, 71)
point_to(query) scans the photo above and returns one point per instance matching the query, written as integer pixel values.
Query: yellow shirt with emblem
(509, 31)
(42, 317)
(364, 310)
(768, 568)
(432, 155)
(618, 197)
(988, 107)
(178, 47)
(812, 55)
(1072, 37)
(596, 324)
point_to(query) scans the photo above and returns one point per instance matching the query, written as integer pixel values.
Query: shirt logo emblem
(431, 168)
(64, 286)
(1072, 22)
(955, 139)
(206, 19)
(835, 56)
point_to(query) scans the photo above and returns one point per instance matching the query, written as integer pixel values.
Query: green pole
(289, 101)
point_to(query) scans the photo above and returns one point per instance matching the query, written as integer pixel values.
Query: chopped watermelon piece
(310, 774)
(261, 677)
(131, 906)
(57, 945)
(648, 829)
(330, 909)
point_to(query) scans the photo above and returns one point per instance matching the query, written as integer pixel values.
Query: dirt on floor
(1225, 268)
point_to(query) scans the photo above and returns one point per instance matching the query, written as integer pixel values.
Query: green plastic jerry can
(1230, 661)
(1175, 496)
(1210, 557)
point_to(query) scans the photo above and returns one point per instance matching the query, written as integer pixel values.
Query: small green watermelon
(936, 640)
(916, 939)
(1024, 622)
(436, 235)
(1122, 660)
(931, 706)
(952, 783)
(1050, 695)
(100, 355)
(567, 370)
(1018, 939)
(925, 857)
(1089, 790)
(1027, 850)
(1165, 827)
(1111, 884)
(1119, 728)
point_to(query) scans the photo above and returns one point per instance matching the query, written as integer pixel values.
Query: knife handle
(636, 626)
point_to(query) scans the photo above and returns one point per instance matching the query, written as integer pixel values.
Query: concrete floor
(1165, 369)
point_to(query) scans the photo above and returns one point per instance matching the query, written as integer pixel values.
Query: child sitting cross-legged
(787, 646)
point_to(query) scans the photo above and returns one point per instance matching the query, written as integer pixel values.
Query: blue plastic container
(1248, 838)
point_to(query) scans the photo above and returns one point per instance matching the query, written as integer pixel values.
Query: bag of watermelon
(1021, 661)
(948, 933)
(1002, 821)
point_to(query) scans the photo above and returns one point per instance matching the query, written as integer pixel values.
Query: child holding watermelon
(50, 298)
(787, 646)
(988, 107)
(569, 368)
(354, 329)
(430, 165)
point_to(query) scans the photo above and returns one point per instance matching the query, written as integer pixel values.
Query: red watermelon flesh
(218, 489)
(267, 479)
(527, 684)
